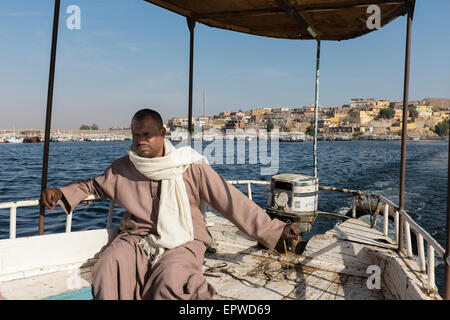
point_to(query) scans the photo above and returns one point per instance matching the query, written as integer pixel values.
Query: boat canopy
(289, 19)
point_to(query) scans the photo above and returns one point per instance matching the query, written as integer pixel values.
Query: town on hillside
(362, 118)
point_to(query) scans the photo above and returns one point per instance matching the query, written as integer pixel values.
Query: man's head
(148, 133)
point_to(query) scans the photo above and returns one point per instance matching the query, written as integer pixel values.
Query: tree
(94, 127)
(442, 128)
(386, 113)
(269, 126)
(85, 127)
(414, 114)
(310, 130)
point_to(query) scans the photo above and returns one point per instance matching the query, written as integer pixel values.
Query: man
(160, 247)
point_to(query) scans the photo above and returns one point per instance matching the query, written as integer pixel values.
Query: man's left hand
(290, 231)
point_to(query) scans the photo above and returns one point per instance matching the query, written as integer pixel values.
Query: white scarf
(174, 226)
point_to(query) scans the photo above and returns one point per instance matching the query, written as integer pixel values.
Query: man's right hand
(49, 197)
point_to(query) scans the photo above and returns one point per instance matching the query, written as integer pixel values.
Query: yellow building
(383, 104)
(258, 111)
(398, 114)
(373, 112)
(337, 119)
(366, 116)
(422, 110)
(409, 125)
(324, 124)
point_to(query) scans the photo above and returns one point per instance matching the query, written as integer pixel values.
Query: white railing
(12, 206)
(426, 264)
(249, 185)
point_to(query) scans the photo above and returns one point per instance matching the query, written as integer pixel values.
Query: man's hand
(290, 231)
(49, 197)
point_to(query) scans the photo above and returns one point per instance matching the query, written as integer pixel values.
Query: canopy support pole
(316, 107)
(191, 26)
(405, 122)
(447, 246)
(48, 115)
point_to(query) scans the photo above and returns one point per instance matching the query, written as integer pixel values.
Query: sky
(129, 54)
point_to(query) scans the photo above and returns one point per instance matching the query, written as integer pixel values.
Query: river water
(372, 166)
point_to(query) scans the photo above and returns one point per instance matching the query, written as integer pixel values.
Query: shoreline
(336, 139)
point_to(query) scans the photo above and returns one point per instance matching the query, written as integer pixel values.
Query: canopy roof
(289, 19)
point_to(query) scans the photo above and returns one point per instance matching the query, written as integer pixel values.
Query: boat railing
(426, 264)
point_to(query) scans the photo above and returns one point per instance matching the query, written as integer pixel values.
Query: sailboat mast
(203, 102)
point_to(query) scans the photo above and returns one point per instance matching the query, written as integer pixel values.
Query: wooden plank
(235, 283)
(358, 231)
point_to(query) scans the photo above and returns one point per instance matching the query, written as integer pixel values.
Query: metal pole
(447, 247)
(204, 113)
(316, 106)
(191, 26)
(405, 122)
(48, 116)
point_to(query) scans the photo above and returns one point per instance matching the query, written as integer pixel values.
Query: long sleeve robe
(122, 271)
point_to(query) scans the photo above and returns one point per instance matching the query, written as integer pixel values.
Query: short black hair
(144, 113)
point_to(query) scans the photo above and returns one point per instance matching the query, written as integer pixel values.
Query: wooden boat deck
(333, 266)
(327, 269)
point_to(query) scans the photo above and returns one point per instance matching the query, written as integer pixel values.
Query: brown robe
(122, 271)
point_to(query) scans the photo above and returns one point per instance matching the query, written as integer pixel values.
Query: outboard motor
(293, 198)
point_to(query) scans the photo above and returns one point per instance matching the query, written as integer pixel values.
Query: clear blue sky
(131, 54)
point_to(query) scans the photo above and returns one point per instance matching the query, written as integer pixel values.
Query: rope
(287, 257)
(221, 268)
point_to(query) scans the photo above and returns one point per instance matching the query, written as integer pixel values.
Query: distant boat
(15, 140)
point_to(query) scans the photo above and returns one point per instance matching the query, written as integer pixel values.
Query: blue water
(372, 166)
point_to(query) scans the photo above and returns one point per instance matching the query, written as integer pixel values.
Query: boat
(15, 140)
(334, 265)
(356, 259)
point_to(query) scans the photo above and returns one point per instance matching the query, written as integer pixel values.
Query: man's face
(148, 138)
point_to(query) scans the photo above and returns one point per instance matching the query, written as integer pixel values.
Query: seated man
(160, 248)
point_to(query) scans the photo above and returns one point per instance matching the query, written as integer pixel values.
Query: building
(409, 125)
(361, 117)
(362, 103)
(258, 111)
(234, 124)
(323, 124)
(422, 110)
(174, 123)
(398, 114)
(383, 104)
(341, 129)
(205, 122)
(310, 109)
(219, 124)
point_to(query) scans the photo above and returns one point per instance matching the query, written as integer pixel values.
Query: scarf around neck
(174, 225)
